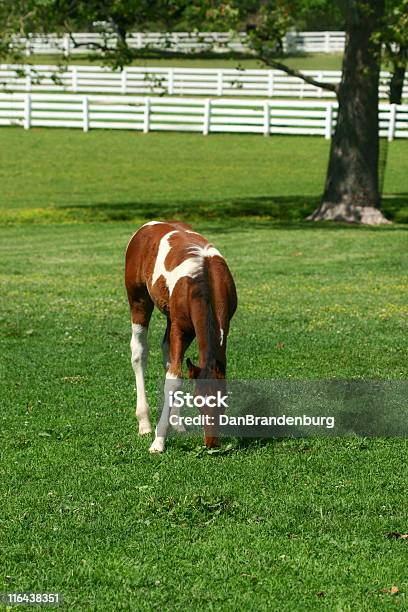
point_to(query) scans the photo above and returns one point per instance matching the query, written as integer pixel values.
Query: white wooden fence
(185, 114)
(184, 42)
(172, 81)
(315, 42)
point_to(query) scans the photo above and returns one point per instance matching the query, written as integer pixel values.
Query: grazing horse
(170, 266)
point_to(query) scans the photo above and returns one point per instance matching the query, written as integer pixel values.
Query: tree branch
(297, 73)
(91, 45)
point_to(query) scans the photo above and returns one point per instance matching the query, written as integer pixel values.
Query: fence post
(146, 118)
(327, 42)
(270, 83)
(391, 122)
(28, 79)
(123, 81)
(66, 45)
(328, 121)
(170, 81)
(266, 119)
(207, 117)
(289, 42)
(74, 78)
(220, 79)
(85, 113)
(27, 112)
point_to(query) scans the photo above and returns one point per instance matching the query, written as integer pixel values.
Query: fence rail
(187, 42)
(172, 81)
(206, 116)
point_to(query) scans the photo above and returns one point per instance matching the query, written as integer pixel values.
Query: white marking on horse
(221, 336)
(204, 251)
(189, 267)
(139, 347)
(172, 384)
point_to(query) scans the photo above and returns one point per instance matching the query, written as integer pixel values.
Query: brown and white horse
(170, 266)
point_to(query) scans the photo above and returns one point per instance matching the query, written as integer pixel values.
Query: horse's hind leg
(141, 307)
(166, 346)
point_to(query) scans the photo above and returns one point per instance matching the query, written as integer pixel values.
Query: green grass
(310, 61)
(85, 510)
(61, 175)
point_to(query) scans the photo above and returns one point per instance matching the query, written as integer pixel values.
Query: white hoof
(145, 428)
(157, 446)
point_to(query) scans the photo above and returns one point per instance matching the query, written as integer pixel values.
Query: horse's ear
(193, 371)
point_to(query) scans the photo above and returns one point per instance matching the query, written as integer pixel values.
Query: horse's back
(143, 248)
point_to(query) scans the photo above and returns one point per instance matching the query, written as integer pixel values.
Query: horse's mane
(203, 291)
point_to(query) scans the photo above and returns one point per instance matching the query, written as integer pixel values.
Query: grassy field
(64, 175)
(310, 61)
(85, 510)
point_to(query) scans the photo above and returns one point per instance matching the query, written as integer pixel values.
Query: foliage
(267, 21)
(395, 38)
(394, 34)
(18, 18)
(315, 15)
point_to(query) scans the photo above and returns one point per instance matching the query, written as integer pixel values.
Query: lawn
(61, 175)
(302, 61)
(85, 510)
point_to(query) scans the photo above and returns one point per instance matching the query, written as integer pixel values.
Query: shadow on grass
(152, 53)
(165, 54)
(395, 207)
(223, 215)
(228, 445)
(281, 208)
(290, 211)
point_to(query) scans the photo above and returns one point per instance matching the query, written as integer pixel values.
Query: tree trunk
(351, 191)
(398, 76)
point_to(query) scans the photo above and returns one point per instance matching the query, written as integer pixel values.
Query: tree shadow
(227, 214)
(395, 207)
(163, 54)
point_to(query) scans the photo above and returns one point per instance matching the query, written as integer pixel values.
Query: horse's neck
(213, 312)
(208, 327)
(207, 333)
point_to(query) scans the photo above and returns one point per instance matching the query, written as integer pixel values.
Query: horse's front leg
(179, 342)
(141, 310)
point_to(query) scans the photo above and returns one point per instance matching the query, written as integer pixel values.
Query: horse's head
(211, 386)
(217, 372)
